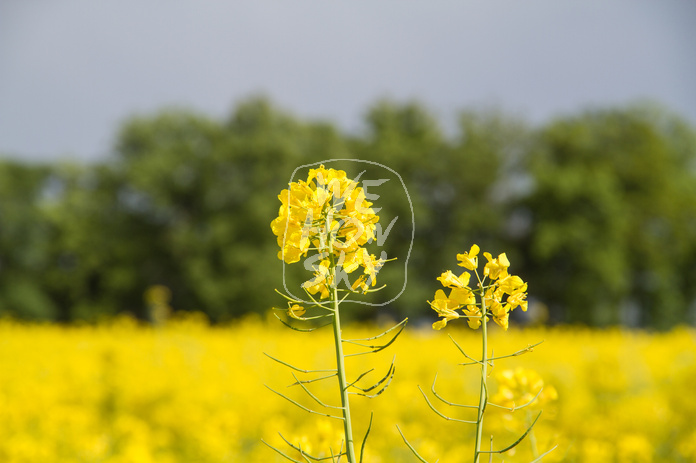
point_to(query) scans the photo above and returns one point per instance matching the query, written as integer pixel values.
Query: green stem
(484, 373)
(340, 365)
(342, 382)
(532, 437)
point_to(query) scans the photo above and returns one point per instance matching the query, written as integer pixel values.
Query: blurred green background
(596, 210)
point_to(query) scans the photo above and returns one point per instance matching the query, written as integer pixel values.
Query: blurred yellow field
(186, 392)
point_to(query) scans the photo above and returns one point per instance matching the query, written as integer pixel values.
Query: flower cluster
(520, 387)
(499, 292)
(329, 213)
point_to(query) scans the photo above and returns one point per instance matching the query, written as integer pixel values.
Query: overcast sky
(72, 70)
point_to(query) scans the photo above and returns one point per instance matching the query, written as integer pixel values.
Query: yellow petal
(503, 260)
(450, 280)
(462, 296)
(296, 311)
(438, 325)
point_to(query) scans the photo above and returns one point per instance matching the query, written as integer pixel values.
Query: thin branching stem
(373, 290)
(377, 348)
(532, 436)
(389, 377)
(294, 300)
(442, 414)
(280, 452)
(514, 444)
(529, 348)
(303, 330)
(362, 375)
(316, 399)
(411, 446)
(344, 298)
(301, 370)
(291, 299)
(367, 433)
(544, 454)
(432, 388)
(303, 407)
(316, 303)
(515, 407)
(371, 338)
(302, 452)
(390, 373)
(313, 380)
(340, 452)
(473, 360)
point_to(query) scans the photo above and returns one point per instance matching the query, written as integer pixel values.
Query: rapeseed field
(124, 392)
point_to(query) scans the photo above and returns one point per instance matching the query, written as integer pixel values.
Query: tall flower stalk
(495, 295)
(328, 221)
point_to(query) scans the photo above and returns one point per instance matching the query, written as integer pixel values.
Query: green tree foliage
(25, 237)
(597, 210)
(613, 216)
(102, 252)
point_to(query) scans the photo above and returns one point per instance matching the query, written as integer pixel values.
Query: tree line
(596, 210)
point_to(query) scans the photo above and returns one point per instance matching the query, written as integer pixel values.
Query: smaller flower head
(520, 386)
(492, 299)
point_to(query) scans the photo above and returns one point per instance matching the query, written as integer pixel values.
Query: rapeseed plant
(328, 220)
(495, 295)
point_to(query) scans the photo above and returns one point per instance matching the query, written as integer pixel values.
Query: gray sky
(72, 70)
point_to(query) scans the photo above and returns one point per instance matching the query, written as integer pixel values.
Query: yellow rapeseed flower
(450, 280)
(328, 213)
(473, 314)
(469, 260)
(512, 284)
(372, 266)
(497, 267)
(445, 307)
(499, 291)
(463, 296)
(360, 284)
(321, 281)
